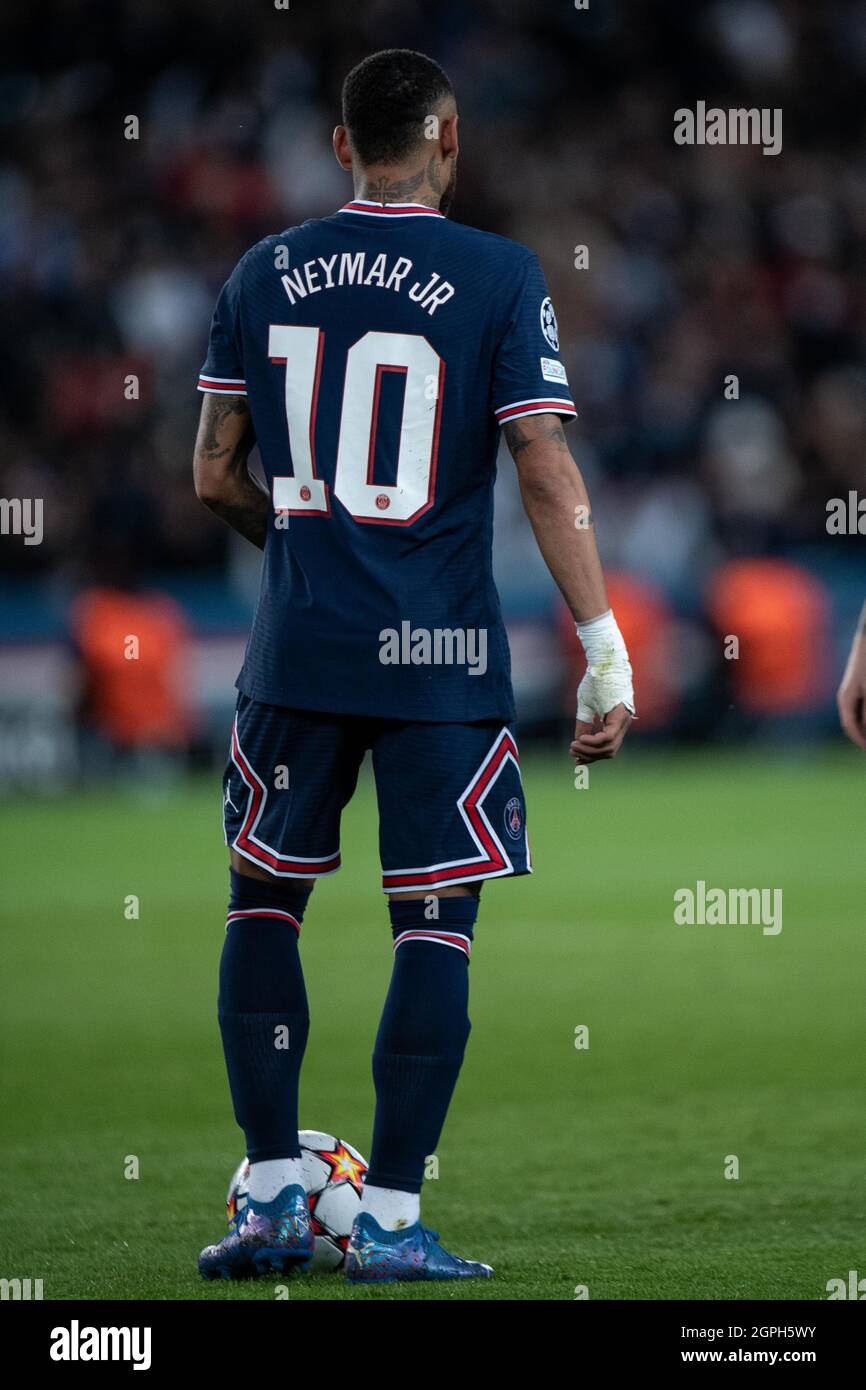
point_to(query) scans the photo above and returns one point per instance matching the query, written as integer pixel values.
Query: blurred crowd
(703, 263)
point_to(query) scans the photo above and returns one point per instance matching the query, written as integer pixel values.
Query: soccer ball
(333, 1176)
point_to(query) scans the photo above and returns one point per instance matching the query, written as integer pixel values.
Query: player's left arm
(557, 504)
(222, 481)
(851, 697)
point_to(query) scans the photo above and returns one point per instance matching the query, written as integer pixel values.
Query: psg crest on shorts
(548, 324)
(514, 818)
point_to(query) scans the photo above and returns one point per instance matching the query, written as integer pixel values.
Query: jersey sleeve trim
(228, 385)
(538, 405)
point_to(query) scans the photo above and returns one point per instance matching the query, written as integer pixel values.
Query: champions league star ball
(333, 1176)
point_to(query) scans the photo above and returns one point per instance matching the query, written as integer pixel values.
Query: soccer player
(374, 355)
(851, 697)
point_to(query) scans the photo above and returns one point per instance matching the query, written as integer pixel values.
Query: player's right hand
(601, 738)
(605, 696)
(851, 696)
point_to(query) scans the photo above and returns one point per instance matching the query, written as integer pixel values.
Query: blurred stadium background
(703, 261)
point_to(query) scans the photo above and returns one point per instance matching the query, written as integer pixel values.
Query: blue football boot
(375, 1256)
(266, 1237)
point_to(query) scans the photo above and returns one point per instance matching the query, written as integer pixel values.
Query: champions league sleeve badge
(548, 324)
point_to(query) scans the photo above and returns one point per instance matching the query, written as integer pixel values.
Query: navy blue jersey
(381, 349)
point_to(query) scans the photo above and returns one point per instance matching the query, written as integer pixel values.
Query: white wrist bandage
(608, 681)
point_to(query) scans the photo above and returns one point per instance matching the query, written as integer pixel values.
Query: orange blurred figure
(134, 649)
(780, 615)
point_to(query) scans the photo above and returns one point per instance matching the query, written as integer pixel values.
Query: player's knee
(461, 890)
(247, 870)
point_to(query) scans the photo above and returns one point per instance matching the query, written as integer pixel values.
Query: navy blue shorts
(451, 806)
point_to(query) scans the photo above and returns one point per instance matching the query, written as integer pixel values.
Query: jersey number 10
(396, 504)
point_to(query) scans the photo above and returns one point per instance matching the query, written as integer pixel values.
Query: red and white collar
(366, 207)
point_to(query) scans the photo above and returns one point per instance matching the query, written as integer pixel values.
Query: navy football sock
(263, 1013)
(422, 1038)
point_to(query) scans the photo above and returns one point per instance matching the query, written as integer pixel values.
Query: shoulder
(491, 245)
(502, 269)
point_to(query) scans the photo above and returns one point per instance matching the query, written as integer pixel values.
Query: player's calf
(264, 1016)
(264, 1022)
(421, 1040)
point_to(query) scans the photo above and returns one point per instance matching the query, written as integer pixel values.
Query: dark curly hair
(386, 100)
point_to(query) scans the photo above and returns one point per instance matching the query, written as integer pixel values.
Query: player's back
(381, 348)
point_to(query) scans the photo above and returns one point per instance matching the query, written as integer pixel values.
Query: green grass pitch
(601, 1167)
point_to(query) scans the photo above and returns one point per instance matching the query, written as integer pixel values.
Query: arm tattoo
(239, 502)
(219, 408)
(519, 437)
